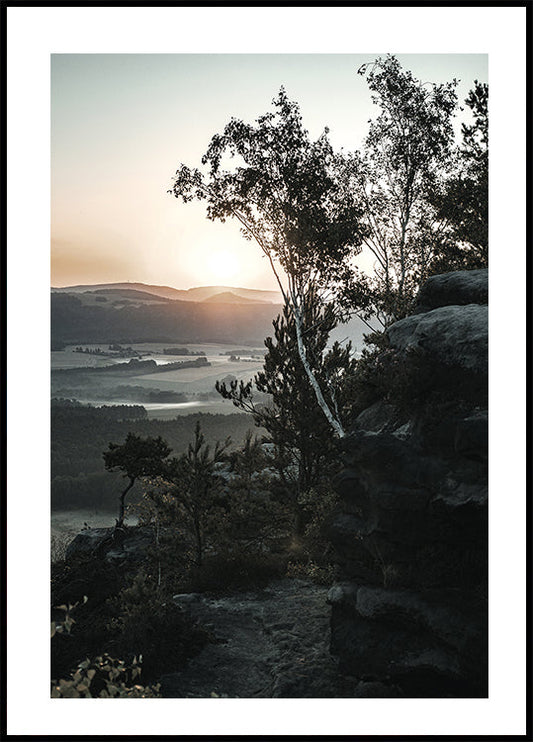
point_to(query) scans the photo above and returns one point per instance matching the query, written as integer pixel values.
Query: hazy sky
(122, 124)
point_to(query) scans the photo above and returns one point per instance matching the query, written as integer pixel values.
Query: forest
(302, 489)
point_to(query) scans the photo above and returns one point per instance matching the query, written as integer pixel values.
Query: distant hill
(137, 312)
(228, 297)
(78, 318)
(195, 294)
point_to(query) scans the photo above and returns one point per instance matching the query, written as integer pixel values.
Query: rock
(451, 336)
(86, 542)
(455, 288)
(125, 546)
(272, 643)
(411, 530)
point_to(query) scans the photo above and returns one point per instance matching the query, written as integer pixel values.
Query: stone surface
(125, 546)
(451, 335)
(272, 643)
(410, 615)
(455, 288)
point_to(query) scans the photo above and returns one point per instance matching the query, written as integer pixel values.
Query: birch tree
(404, 156)
(284, 190)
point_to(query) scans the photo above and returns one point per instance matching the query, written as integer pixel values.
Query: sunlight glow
(223, 265)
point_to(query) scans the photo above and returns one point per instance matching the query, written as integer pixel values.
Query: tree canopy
(285, 191)
(407, 148)
(136, 457)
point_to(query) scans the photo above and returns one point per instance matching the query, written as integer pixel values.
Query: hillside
(82, 319)
(228, 297)
(195, 294)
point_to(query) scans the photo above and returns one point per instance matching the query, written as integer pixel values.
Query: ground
(272, 643)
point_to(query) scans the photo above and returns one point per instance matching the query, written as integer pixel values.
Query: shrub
(224, 573)
(104, 677)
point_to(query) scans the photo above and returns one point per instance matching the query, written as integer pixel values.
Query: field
(197, 385)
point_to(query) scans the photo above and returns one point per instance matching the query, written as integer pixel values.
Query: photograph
(262, 367)
(274, 486)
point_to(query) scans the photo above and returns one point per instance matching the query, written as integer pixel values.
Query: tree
(256, 520)
(462, 200)
(194, 482)
(304, 443)
(136, 457)
(407, 148)
(286, 195)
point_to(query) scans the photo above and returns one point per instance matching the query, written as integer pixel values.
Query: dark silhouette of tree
(304, 443)
(285, 192)
(194, 482)
(408, 146)
(136, 457)
(462, 200)
(256, 519)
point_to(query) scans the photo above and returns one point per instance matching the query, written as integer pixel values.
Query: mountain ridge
(198, 293)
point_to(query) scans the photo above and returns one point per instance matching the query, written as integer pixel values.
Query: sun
(223, 265)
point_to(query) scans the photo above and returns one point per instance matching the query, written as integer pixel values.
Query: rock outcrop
(410, 617)
(126, 547)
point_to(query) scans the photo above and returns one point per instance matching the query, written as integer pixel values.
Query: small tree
(194, 482)
(285, 193)
(256, 520)
(304, 443)
(136, 457)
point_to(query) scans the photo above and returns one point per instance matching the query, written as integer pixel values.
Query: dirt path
(272, 643)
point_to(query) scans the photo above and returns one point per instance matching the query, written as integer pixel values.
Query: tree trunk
(199, 545)
(335, 424)
(120, 521)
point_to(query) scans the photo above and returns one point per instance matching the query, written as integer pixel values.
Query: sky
(121, 124)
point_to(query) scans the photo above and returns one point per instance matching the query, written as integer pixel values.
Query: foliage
(136, 457)
(80, 434)
(305, 447)
(194, 482)
(405, 152)
(227, 572)
(283, 192)
(104, 677)
(286, 194)
(312, 556)
(125, 615)
(255, 522)
(146, 620)
(462, 199)
(410, 381)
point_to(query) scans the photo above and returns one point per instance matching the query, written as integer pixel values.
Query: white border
(33, 34)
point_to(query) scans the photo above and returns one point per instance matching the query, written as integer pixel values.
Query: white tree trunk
(333, 421)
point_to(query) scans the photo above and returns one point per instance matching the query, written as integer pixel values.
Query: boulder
(455, 288)
(127, 546)
(451, 336)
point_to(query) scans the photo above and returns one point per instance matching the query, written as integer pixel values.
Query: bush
(225, 573)
(153, 626)
(104, 677)
(123, 616)
(320, 574)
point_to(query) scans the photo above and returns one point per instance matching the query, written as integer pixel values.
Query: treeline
(79, 435)
(74, 322)
(135, 366)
